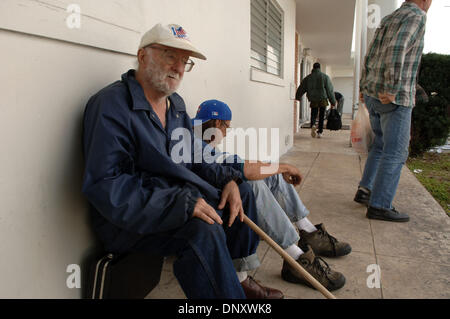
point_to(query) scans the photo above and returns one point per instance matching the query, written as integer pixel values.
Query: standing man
(143, 200)
(388, 87)
(319, 90)
(340, 102)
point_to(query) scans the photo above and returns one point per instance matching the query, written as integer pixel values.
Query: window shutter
(266, 36)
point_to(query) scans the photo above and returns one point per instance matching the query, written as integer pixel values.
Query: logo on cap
(215, 113)
(179, 32)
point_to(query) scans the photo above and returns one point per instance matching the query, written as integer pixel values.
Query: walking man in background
(388, 87)
(319, 90)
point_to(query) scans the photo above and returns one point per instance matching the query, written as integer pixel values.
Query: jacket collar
(139, 101)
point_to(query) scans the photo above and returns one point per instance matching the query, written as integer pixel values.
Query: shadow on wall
(95, 250)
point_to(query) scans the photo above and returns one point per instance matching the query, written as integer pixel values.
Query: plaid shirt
(393, 60)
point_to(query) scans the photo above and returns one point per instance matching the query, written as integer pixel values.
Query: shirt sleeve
(404, 38)
(233, 161)
(130, 198)
(301, 90)
(206, 166)
(363, 72)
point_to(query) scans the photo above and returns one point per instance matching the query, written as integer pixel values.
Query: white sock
(306, 225)
(294, 251)
(242, 275)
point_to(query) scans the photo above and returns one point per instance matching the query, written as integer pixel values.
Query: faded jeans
(391, 124)
(278, 206)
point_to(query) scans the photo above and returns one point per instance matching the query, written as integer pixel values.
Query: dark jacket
(318, 88)
(130, 179)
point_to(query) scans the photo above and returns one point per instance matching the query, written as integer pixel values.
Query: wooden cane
(289, 259)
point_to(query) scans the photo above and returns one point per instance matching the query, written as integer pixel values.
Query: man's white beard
(158, 79)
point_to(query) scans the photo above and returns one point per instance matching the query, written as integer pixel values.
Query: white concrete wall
(377, 10)
(222, 30)
(50, 71)
(43, 226)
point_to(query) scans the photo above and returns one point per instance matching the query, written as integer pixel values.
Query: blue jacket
(130, 179)
(215, 155)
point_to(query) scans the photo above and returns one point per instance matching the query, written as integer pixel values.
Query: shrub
(430, 120)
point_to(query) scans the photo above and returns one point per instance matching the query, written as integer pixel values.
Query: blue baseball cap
(212, 110)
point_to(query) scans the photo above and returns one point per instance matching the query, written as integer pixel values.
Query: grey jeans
(277, 207)
(340, 106)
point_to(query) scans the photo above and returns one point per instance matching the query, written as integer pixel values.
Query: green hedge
(430, 120)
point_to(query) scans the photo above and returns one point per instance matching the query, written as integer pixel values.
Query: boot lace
(321, 267)
(332, 239)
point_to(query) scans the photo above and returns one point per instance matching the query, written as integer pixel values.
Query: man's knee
(397, 157)
(257, 186)
(198, 230)
(246, 190)
(248, 201)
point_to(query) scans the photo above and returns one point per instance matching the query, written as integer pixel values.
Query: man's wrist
(234, 178)
(283, 168)
(238, 180)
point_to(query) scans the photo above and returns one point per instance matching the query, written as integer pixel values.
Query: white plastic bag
(361, 134)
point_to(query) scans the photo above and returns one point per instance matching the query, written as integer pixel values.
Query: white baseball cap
(172, 35)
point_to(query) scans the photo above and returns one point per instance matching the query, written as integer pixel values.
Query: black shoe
(386, 214)
(362, 197)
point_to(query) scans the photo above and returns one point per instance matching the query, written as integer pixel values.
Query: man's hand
(333, 106)
(205, 212)
(361, 97)
(292, 175)
(232, 196)
(386, 98)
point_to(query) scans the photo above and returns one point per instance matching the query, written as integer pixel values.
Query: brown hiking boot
(323, 243)
(316, 267)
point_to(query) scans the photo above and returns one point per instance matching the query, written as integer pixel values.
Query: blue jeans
(204, 265)
(391, 124)
(278, 206)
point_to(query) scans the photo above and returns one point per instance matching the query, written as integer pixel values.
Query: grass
(435, 175)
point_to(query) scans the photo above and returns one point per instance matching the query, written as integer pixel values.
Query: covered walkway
(414, 257)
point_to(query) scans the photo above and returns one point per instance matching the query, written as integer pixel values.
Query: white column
(360, 48)
(307, 67)
(377, 10)
(305, 106)
(369, 14)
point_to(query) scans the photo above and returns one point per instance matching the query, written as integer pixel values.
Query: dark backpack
(334, 122)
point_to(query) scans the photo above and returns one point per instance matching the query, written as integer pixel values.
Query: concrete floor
(413, 257)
